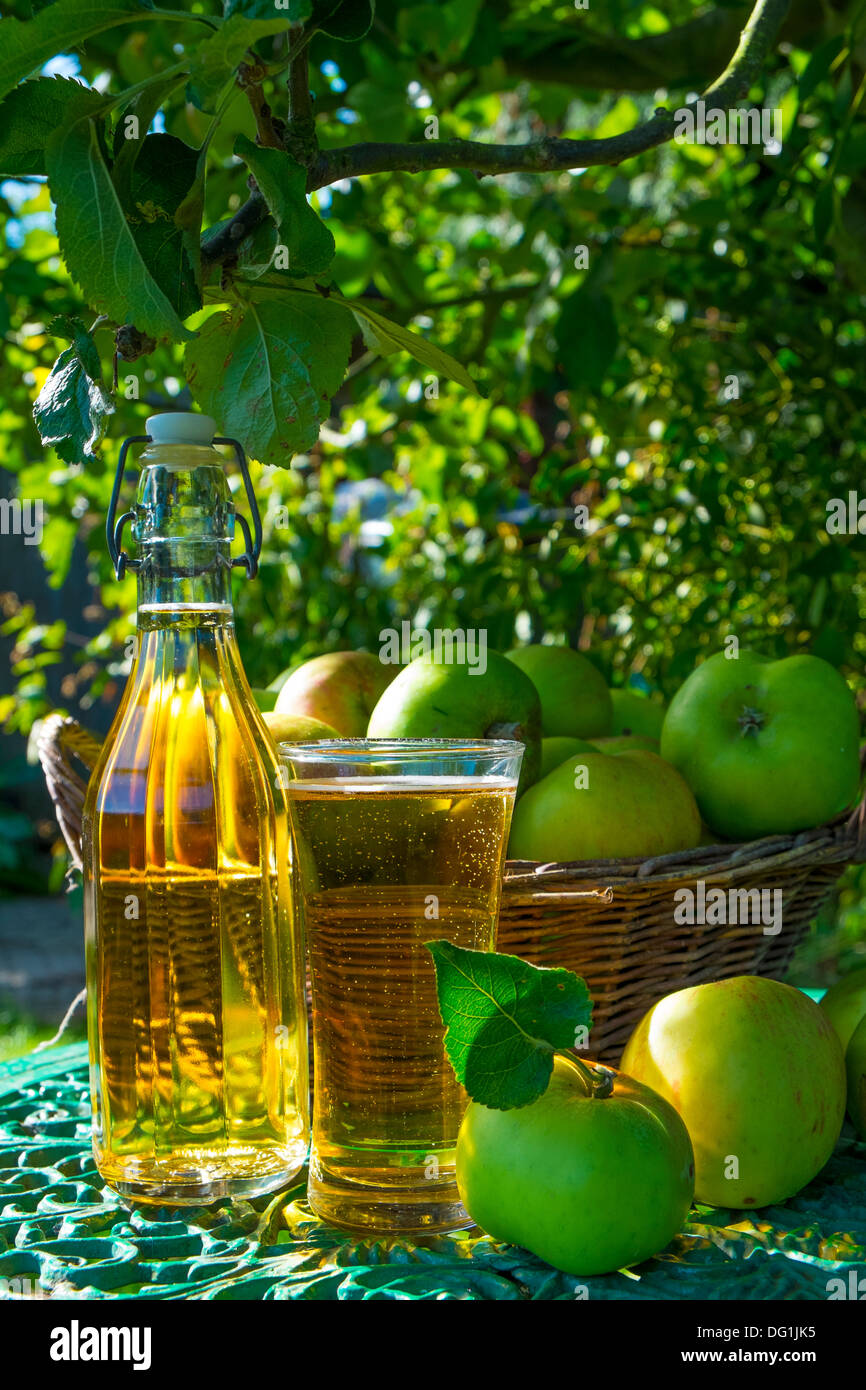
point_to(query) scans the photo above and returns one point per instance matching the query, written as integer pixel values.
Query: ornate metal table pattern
(64, 1235)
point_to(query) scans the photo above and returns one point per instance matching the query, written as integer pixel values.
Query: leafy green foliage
(102, 252)
(218, 57)
(160, 179)
(72, 408)
(282, 183)
(58, 27)
(420, 500)
(268, 367)
(587, 337)
(30, 115)
(504, 1020)
(385, 336)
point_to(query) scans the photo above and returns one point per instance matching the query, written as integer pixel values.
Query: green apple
(340, 689)
(636, 714)
(597, 806)
(757, 1074)
(620, 743)
(265, 699)
(588, 1183)
(431, 699)
(296, 728)
(555, 751)
(855, 1063)
(767, 747)
(575, 701)
(845, 1003)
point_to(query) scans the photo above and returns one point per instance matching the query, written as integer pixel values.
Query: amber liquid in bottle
(196, 1013)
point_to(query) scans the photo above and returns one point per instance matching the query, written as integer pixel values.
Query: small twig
(250, 79)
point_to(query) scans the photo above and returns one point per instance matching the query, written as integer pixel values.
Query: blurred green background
(676, 344)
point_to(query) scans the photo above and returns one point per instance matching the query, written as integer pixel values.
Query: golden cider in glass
(385, 864)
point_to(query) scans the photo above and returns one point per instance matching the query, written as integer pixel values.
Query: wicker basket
(611, 920)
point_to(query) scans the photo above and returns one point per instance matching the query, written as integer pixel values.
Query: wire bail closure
(114, 527)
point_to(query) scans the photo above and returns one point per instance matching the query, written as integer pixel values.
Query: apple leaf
(213, 61)
(97, 242)
(26, 44)
(143, 106)
(160, 180)
(384, 336)
(31, 114)
(72, 408)
(504, 1020)
(266, 370)
(282, 183)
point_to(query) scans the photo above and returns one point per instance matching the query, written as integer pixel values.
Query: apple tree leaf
(266, 370)
(160, 180)
(504, 1020)
(384, 336)
(26, 44)
(31, 114)
(97, 241)
(72, 408)
(127, 145)
(214, 61)
(282, 183)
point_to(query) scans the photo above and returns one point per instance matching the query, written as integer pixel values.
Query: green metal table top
(64, 1234)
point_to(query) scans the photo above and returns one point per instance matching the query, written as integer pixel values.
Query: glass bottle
(196, 1008)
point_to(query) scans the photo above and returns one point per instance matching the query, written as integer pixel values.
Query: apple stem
(750, 721)
(597, 1079)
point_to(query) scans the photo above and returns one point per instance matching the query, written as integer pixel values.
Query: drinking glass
(394, 843)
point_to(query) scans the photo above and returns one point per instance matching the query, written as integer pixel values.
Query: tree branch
(250, 79)
(300, 137)
(548, 155)
(221, 242)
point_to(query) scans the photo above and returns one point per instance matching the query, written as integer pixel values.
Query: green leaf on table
(32, 113)
(348, 20)
(26, 44)
(282, 183)
(214, 61)
(586, 337)
(504, 1020)
(267, 368)
(72, 408)
(97, 242)
(384, 336)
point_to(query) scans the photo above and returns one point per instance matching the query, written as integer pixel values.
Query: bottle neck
(184, 525)
(184, 574)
